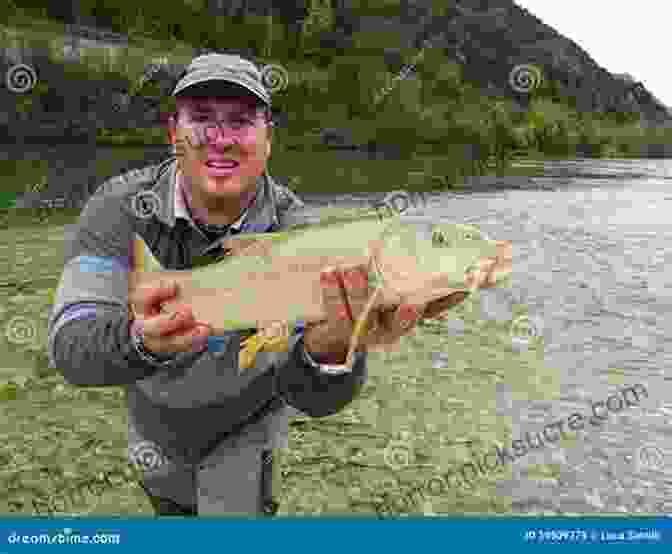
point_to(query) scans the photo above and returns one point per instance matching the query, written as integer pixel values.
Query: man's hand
(345, 293)
(165, 333)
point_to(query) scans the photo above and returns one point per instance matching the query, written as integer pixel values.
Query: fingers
(168, 332)
(397, 323)
(149, 298)
(346, 294)
(356, 285)
(333, 296)
(176, 332)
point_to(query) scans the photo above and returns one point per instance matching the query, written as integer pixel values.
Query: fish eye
(439, 238)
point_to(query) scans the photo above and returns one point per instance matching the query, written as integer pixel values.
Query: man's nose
(220, 135)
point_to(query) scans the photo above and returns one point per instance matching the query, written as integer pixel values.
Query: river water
(591, 263)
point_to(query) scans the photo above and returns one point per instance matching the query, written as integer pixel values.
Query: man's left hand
(345, 293)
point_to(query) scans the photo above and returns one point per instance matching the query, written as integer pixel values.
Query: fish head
(418, 253)
(448, 248)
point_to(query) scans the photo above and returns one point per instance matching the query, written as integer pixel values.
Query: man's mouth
(222, 164)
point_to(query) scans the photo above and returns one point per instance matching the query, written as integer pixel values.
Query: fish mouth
(436, 307)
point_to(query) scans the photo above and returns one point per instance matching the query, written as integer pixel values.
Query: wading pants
(237, 478)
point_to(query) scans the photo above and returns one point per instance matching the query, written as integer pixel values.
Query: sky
(621, 36)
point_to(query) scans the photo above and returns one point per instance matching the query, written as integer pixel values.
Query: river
(591, 264)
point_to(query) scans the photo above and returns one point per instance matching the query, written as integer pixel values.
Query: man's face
(223, 145)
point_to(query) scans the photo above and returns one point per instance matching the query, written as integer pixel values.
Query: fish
(270, 282)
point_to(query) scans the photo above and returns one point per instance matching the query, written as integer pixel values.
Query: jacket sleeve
(315, 392)
(304, 384)
(89, 336)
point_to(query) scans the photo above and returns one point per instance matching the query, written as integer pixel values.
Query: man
(203, 433)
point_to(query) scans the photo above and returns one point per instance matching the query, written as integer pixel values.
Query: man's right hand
(167, 333)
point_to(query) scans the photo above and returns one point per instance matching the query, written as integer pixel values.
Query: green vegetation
(435, 112)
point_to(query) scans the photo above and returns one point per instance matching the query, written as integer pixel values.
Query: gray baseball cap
(227, 68)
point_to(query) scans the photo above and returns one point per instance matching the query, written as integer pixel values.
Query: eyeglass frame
(227, 129)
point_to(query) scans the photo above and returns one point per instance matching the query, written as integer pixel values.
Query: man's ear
(269, 140)
(171, 128)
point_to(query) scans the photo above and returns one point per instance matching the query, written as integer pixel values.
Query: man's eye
(242, 122)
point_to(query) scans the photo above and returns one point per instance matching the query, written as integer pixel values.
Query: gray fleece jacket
(189, 404)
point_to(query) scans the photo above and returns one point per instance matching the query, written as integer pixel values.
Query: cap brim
(199, 77)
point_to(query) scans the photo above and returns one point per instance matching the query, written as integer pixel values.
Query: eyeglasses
(206, 127)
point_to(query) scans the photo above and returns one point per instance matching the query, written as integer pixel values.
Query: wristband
(137, 339)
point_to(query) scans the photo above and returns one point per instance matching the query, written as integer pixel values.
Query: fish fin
(143, 258)
(272, 338)
(360, 328)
